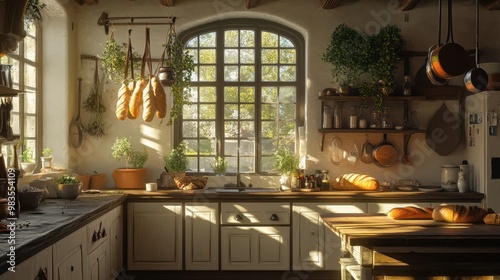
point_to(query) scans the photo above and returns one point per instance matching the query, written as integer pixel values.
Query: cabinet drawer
(97, 232)
(255, 213)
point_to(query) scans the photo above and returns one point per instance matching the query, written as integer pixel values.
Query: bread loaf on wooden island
(355, 182)
(459, 214)
(410, 213)
(492, 219)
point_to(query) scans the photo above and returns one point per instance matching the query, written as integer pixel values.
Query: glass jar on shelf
(327, 117)
(337, 115)
(353, 117)
(363, 116)
(375, 119)
(386, 118)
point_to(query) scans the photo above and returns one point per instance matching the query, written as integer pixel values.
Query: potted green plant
(286, 163)
(175, 164)
(47, 159)
(27, 161)
(219, 166)
(348, 55)
(33, 11)
(133, 175)
(68, 186)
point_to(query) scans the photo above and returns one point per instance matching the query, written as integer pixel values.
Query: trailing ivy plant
(183, 63)
(33, 11)
(113, 60)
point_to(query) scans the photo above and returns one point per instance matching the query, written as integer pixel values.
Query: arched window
(247, 94)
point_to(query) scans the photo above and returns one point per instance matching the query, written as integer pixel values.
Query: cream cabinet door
(154, 239)
(116, 242)
(98, 262)
(314, 247)
(255, 248)
(202, 236)
(68, 260)
(38, 265)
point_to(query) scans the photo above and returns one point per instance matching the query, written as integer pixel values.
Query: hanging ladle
(476, 79)
(406, 158)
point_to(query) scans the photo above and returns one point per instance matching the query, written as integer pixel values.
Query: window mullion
(258, 102)
(219, 125)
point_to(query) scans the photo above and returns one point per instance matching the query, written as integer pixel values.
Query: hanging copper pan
(450, 59)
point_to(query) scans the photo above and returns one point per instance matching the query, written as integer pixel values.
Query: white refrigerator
(483, 145)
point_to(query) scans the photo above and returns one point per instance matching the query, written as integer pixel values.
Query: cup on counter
(151, 187)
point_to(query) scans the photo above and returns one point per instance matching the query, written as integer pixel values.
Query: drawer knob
(95, 236)
(274, 217)
(238, 217)
(72, 268)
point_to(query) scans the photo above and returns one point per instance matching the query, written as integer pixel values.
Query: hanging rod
(94, 57)
(106, 21)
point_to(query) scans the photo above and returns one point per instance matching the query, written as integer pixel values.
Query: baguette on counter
(459, 214)
(355, 182)
(410, 213)
(492, 219)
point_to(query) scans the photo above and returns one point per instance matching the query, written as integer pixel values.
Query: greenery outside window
(25, 73)
(247, 95)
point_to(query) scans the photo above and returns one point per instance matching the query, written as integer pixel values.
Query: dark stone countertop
(51, 221)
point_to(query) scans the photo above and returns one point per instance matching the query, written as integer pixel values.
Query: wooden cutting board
(444, 132)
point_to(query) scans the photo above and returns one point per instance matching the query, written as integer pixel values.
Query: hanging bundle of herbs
(95, 105)
(113, 59)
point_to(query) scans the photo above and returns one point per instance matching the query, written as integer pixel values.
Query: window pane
(288, 94)
(232, 165)
(268, 111)
(208, 40)
(207, 129)
(231, 38)
(269, 129)
(207, 56)
(268, 146)
(269, 56)
(247, 38)
(207, 94)
(287, 73)
(230, 94)
(193, 164)
(285, 43)
(194, 74)
(30, 128)
(269, 94)
(189, 129)
(247, 56)
(269, 39)
(287, 111)
(230, 148)
(30, 48)
(287, 129)
(192, 43)
(247, 111)
(207, 111)
(207, 73)
(231, 73)
(205, 164)
(247, 129)
(268, 163)
(191, 147)
(194, 53)
(230, 129)
(190, 112)
(231, 112)
(231, 56)
(30, 102)
(207, 147)
(30, 76)
(247, 147)
(247, 94)
(287, 56)
(247, 165)
(269, 73)
(247, 73)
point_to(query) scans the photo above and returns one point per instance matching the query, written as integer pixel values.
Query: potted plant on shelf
(176, 164)
(347, 53)
(46, 159)
(286, 163)
(68, 186)
(27, 161)
(133, 175)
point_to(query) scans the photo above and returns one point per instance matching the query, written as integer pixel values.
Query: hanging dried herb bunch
(95, 105)
(113, 59)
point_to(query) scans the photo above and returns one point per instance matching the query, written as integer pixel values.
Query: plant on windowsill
(27, 161)
(175, 164)
(46, 159)
(133, 175)
(286, 163)
(219, 166)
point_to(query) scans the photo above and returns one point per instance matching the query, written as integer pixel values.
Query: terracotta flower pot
(85, 179)
(98, 181)
(132, 178)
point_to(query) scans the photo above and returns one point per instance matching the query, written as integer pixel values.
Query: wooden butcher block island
(381, 248)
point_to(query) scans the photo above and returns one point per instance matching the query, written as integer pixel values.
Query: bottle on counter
(461, 183)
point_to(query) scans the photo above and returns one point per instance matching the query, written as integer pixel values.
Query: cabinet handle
(95, 236)
(72, 268)
(42, 274)
(274, 217)
(238, 217)
(103, 234)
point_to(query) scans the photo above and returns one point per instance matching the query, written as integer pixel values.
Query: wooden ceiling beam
(168, 3)
(407, 5)
(492, 5)
(329, 4)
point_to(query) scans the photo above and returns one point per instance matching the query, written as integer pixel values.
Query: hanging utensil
(443, 135)
(367, 150)
(76, 127)
(476, 79)
(450, 59)
(406, 158)
(336, 151)
(353, 155)
(433, 78)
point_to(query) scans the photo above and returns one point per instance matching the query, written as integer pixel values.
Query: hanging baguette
(136, 100)
(148, 97)
(159, 91)
(122, 103)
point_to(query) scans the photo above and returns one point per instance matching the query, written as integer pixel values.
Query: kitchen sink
(241, 190)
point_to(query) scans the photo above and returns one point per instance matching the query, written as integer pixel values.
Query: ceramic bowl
(30, 199)
(69, 191)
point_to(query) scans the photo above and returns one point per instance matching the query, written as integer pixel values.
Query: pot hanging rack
(106, 21)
